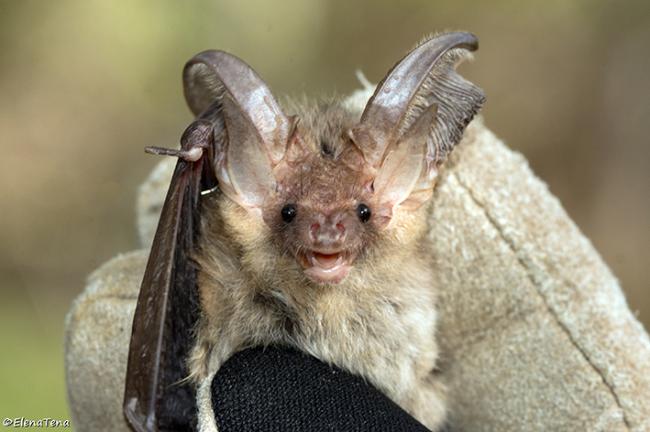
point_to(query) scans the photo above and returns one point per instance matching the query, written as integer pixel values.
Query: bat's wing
(156, 398)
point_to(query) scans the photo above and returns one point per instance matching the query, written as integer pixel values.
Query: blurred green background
(85, 85)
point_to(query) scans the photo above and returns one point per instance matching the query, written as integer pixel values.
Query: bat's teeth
(311, 259)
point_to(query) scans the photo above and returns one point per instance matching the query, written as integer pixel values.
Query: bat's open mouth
(326, 267)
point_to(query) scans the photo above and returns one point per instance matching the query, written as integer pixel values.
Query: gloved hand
(277, 389)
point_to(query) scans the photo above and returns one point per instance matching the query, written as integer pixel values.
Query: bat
(304, 230)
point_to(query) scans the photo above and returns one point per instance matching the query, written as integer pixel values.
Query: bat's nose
(327, 233)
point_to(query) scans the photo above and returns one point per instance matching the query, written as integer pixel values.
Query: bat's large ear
(415, 117)
(220, 86)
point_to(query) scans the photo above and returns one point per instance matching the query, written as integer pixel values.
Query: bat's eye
(364, 213)
(288, 213)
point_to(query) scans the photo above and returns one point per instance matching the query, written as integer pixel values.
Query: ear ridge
(457, 99)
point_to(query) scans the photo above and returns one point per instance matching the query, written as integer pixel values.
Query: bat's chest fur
(387, 339)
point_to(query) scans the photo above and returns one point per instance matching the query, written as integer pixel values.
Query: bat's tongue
(326, 268)
(326, 261)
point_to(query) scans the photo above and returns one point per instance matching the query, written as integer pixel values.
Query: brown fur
(379, 322)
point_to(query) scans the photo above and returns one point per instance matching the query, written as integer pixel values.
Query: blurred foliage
(86, 84)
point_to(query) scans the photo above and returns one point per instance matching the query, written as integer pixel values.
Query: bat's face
(324, 212)
(325, 234)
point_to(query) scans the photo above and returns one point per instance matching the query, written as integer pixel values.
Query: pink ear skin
(256, 130)
(247, 164)
(403, 165)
